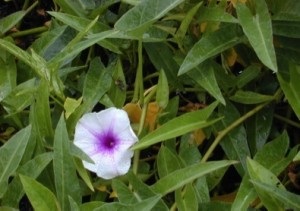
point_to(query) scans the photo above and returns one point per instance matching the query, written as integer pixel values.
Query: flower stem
(233, 125)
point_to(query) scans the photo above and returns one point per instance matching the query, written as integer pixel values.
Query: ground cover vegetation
(211, 90)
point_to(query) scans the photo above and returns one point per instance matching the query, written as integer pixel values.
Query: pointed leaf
(32, 168)
(258, 29)
(178, 126)
(259, 173)
(162, 92)
(186, 175)
(204, 75)
(10, 21)
(288, 79)
(167, 162)
(40, 197)
(140, 17)
(11, 154)
(66, 181)
(210, 46)
(290, 200)
(249, 97)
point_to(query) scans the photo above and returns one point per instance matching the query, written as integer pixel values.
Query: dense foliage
(211, 89)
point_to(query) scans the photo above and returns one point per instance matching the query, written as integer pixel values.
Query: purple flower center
(107, 141)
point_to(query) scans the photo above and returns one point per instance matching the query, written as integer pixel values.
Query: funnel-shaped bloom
(106, 137)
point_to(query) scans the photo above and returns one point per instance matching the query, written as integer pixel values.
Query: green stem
(136, 157)
(287, 120)
(224, 132)
(236, 123)
(29, 31)
(28, 9)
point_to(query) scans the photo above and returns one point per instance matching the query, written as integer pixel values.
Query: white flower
(106, 137)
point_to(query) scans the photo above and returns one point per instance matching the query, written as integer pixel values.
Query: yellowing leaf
(152, 112)
(230, 56)
(198, 137)
(134, 112)
(70, 106)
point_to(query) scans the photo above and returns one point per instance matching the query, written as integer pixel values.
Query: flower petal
(106, 137)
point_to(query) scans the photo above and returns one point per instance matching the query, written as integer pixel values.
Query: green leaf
(259, 127)
(40, 197)
(167, 162)
(8, 72)
(287, 28)
(91, 205)
(178, 126)
(275, 161)
(117, 92)
(32, 168)
(248, 74)
(186, 199)
(125, 195)
(215, 13)
(65, 177)
(162, 92)
(275, 149)
(20, 97)
(143, 191)
(146, 204)
(245, 195)
(28, 59)
(97, 82)
(249, 97)
(80, 23)
(287, 10)
(259, 173)
(290, 200)
(10, 21)
(42, 110)
(73, 205)
(140, 17)
(288, 78)
(186, 175)
(204, 75)
(186, 22)
(258, 29)
(235, 142)
(11, 154)
(72, 7)
(211, 45)
(52, 42)
(162, 58)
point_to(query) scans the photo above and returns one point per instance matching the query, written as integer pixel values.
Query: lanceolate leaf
(186, 175)
(9, 21)
(258, 29)
(140, 17)
(249, 97)
(204, 75)
(66, 181)
(39, 196)
(10, 156)
(32, 168)
(178, 126)
(288, 78)
(259, 173)
(210, 46)
(290, 200)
